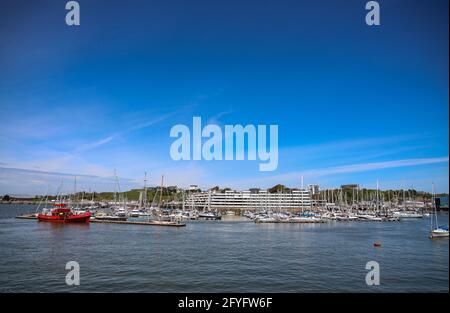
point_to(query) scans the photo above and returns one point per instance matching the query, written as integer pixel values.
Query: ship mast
(161, 190)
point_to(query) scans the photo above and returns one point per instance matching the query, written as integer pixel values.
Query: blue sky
(353, 103)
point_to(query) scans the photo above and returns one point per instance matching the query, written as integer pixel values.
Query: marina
(290, 238)
(350, 203)
(233, 254)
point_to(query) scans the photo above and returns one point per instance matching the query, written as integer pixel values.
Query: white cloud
(32, 182)
(316, 174)
(363, 167)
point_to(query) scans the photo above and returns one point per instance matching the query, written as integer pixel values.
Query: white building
(193, 188)
(246, 200)
(314, 189)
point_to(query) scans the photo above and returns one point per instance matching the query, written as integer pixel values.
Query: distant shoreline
(20, 202)
(30, 202)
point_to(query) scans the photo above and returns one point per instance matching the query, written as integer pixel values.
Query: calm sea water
(220, 256)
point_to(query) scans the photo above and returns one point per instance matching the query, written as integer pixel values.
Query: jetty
(27, 217)
(145, 223)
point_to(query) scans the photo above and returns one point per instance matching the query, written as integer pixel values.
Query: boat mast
(115, 188)
(160, 190)
(145, 190)
(209, 200)
(59, 191)
(74, 191)
(377, 199)
(301, 193)
(182, 196)
(434, 206)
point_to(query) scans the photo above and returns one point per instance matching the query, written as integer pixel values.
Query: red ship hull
(70, 218)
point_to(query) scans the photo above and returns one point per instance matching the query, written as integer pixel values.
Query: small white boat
(376, 218)
(121, 212)
(135, 213)
(78, 210)
(248, 214)
(329, 216)
(390, 219)
(406, 214)
(189, 215)
(281, 217)
(209, 215)
(367, 217)
(266, 219)
(439, 232)
(346, 217)
(101, 216)
(306, 219)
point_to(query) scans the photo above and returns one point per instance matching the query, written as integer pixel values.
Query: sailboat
(142, 202)
(120, 203)
(207, 213)
(439, 231)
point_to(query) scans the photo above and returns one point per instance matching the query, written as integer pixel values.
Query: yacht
(189, 215)
(248, 214)
(145, 213)
(264, 218)
(437, 231)
(390, 218)
(407, 214)
(282, 217)
(121, 212)
(346, 217)
(306, 219)
(135, 213)
(368, 217)
(209, 215)
(102, 216)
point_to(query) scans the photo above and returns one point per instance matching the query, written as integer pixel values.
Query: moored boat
(439, 232)
(135, 213)
(306, 219)
(121, 212)
(101, 216)
(265, 219)
(208, 215)
(63, 214)
(408, 214)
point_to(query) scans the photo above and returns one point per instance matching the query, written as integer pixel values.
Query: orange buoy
(377, 244)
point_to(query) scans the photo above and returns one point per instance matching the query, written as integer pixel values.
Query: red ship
(62, 214)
